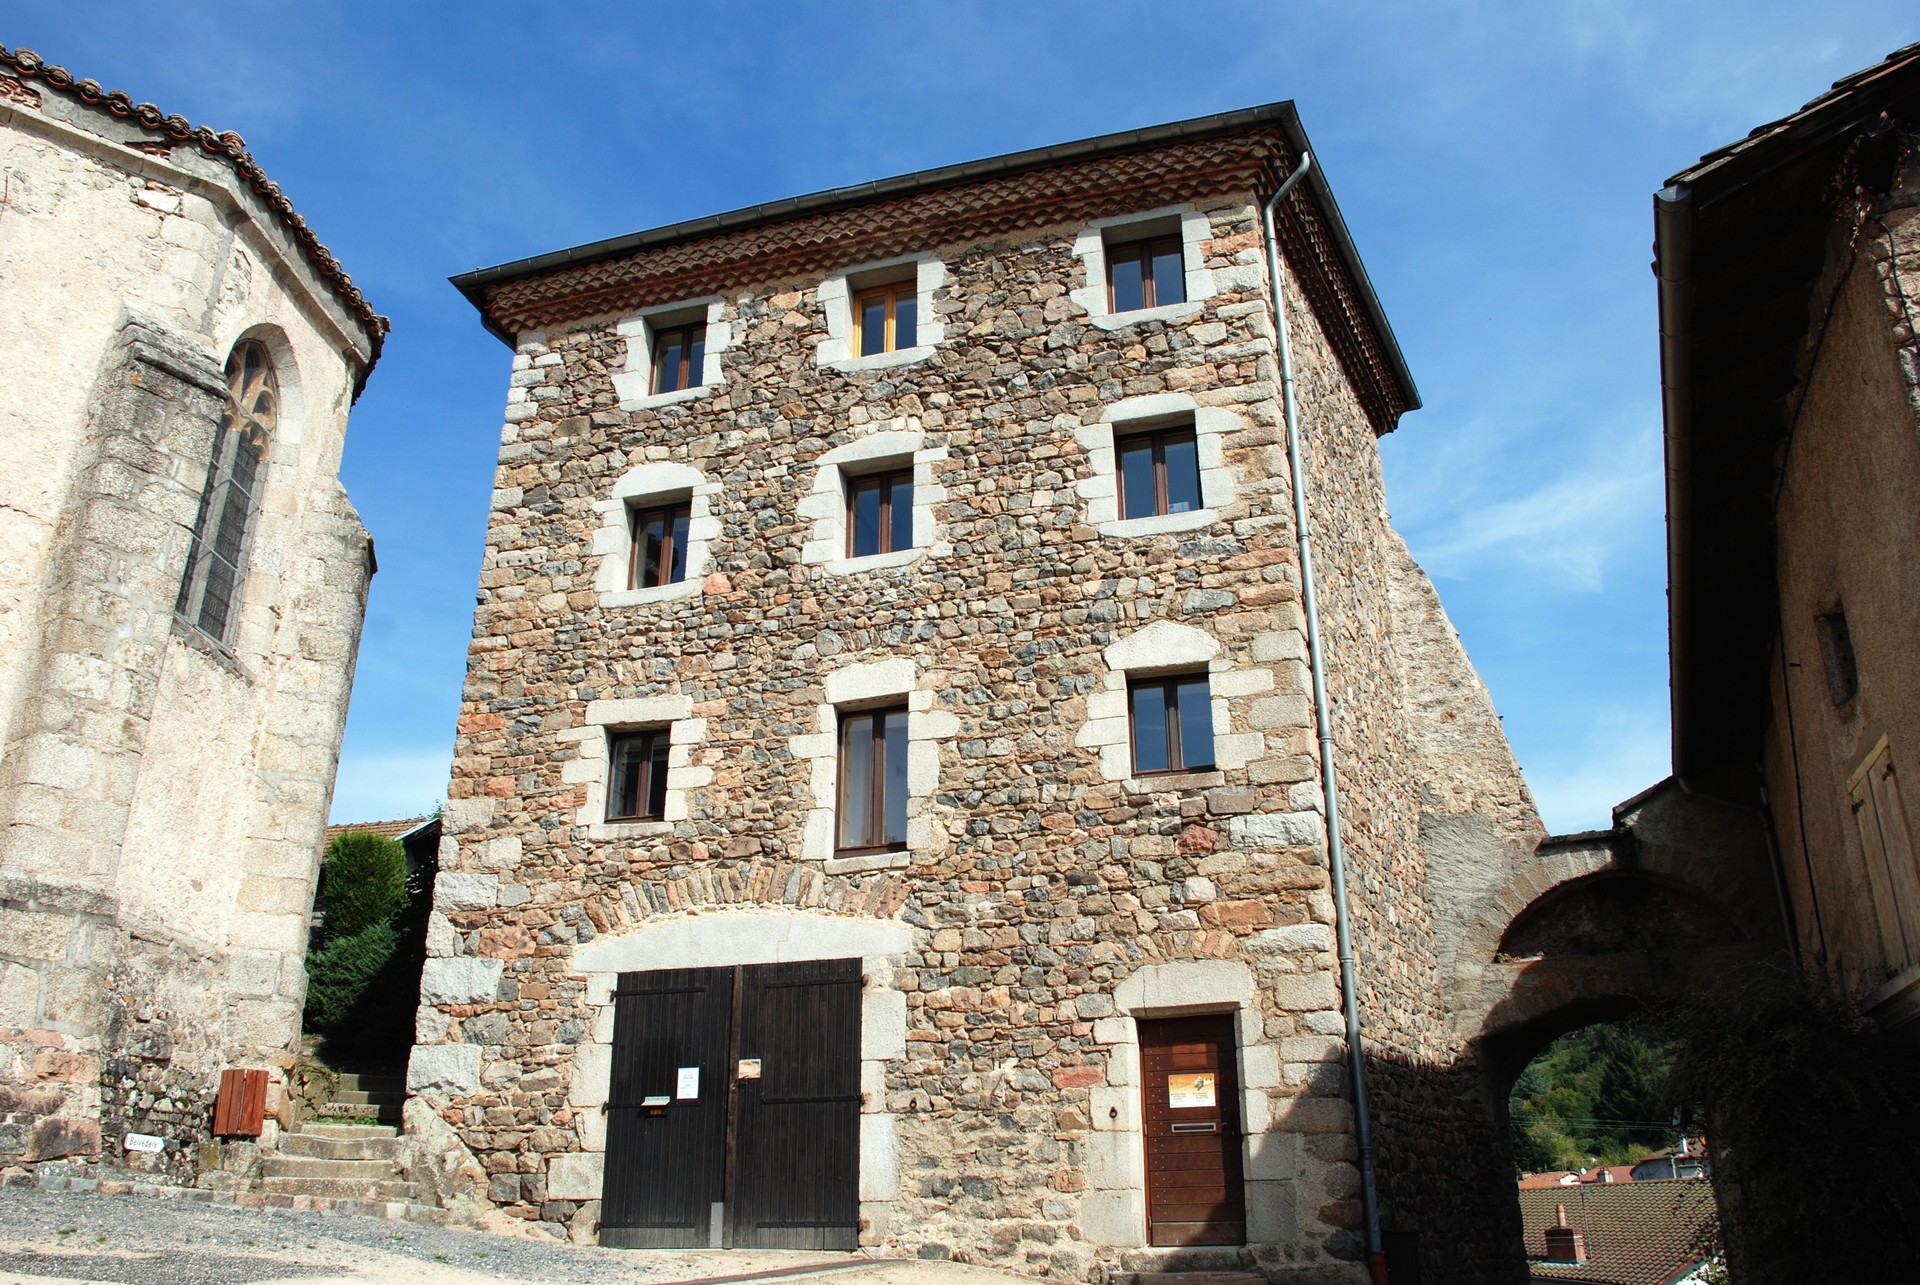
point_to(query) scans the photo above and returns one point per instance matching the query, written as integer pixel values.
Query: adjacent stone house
(887, 804)
(183, 587)
(1789, 269)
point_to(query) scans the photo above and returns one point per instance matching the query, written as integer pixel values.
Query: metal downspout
(1329, 788)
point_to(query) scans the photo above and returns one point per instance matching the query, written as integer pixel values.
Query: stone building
(887, 794)
(1789, 270)
(183, 587)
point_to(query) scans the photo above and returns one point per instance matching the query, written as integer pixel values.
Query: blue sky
(1496, 163)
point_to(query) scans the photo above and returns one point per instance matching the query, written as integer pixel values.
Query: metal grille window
(1172, 724)
(659, 546)
(873, 781)
(1145, 274)
(211, 586)
(679, 355)
(879, 513)
(638, 791)
(1159, 473)
(886, 319)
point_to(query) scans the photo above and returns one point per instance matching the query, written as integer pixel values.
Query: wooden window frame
(876, 801)
(686, 374)
(1141, 250)
(892, 292)
(647, 786)
(637, 519)
(886, 480)
(1158, 439)
(1176, 752)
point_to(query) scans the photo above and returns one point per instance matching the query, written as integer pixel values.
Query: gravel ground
(59, 1238)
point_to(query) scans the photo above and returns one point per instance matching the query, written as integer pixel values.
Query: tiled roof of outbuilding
(26, 66)
(385, 829)
(1637, 1233)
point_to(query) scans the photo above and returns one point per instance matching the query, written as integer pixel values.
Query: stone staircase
(339, 1162)
(367, 1097)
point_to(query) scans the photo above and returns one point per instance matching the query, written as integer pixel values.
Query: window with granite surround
(873, 766)
(673, 353)
(655, 530)
(1161, 711)
(634, 765)
(1149, 266)
(872, 501)
(1157, 464)
(880, 315)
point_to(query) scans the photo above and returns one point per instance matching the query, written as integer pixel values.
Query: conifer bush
(363, 883)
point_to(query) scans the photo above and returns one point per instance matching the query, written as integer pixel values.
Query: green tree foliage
(1595, 1096)
(363, 982)
(340, 973)
(1813, 1117)
(363, 883)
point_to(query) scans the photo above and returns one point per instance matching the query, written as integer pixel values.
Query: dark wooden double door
(734, 1108)
(1190, 1092)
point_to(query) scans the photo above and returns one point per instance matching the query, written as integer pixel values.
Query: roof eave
(473, 285)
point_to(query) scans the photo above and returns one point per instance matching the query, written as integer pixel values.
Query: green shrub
(340, 973)
(363, 883)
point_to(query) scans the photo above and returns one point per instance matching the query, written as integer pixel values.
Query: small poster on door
(1190, 1090)
(688, 1086)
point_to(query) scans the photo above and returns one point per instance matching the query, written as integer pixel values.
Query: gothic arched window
(211, 585)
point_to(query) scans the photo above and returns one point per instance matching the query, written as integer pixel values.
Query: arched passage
(1604, 927)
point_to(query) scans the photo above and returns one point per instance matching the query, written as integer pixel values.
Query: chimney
(1566, 1244)
(1606, 1175)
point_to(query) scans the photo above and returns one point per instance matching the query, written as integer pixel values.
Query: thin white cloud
(1619, 753)
(389, 784)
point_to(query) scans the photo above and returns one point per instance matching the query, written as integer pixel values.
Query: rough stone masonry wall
(162, 796)
(1043, 886)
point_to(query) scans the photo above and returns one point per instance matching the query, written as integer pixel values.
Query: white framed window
(865, 700)
(1146, 241)
(635, 762)
(1183, 665)
(673, 353)
(869, 494)
(890, 292)
(1150, 459)
(655, 530)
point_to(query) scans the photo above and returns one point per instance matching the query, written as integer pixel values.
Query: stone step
(328, 1147)
(370, 1112)
(368, 1097)
(1185, 1261)
(368, 1082)
(322, 1129)
(342, 1189)
(1189, 1278)
(281, 1165)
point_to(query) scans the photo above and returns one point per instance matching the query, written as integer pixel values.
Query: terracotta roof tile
(1637, 1233)
(385, 829)
(24, 66)
(1814, 114)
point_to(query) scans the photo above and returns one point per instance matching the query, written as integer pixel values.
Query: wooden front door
(734, 1108)
(1190, 1099)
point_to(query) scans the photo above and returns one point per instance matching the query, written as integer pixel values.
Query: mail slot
(1198, 1126)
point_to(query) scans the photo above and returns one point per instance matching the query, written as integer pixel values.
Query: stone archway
(1600, 927)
